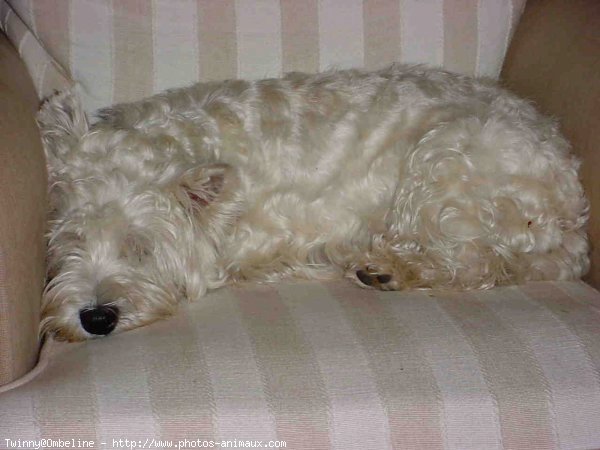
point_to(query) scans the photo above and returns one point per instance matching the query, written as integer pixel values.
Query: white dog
(402, 178)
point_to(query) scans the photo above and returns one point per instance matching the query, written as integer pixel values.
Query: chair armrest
(22, 217)
(554, 60)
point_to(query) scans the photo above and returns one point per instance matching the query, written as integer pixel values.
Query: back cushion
(128, 49)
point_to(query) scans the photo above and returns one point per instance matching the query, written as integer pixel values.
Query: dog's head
(133, 225)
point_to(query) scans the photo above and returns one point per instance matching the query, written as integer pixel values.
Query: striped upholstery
(333, 366)
(122, 50)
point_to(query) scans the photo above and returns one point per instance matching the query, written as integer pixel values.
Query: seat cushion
(330, 365)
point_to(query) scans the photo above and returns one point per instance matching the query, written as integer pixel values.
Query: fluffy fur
(408, 177)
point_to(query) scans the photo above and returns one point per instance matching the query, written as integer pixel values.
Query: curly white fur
(431, 179)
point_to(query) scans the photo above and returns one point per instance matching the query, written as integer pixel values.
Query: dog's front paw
(376, 278)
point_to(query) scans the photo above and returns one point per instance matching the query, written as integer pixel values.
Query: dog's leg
(388, 268)
(387, 275)
(377, 276)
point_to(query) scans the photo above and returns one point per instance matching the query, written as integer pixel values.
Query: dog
(403, 178)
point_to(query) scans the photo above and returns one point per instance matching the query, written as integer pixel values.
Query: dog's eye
(135, 247)
(72, 236)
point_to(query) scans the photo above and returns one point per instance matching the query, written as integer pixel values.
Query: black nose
(100, 320)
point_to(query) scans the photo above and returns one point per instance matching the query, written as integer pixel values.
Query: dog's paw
(375, 278)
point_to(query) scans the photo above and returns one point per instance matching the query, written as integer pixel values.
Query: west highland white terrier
(398, 179)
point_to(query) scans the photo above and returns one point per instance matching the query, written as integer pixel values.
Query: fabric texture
(22, 218)
(334, 366)
(128, 49)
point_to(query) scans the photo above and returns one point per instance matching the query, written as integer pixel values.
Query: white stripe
(175, 32)
(241, 406)
(493, 26)
(116, 375)
(259, 38)
(358, 419)
(470, 412)
(560, 355)
(91, 51)
(422, 31)
(341, 34)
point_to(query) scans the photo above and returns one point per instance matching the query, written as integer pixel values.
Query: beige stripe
(512, 373)
(64, 404)
(133, 54)
(179, 385)
(218, 39)
(293, 385)
(358, 419)
(460, 35)
(382, 32)
(300, 35)
(405, 381)
(52, 26)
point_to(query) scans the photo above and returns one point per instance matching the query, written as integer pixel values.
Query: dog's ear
(62, 123)
(200, 186)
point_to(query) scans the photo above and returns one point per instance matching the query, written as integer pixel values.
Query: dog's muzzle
(101, 320)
